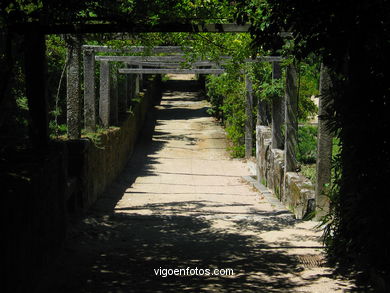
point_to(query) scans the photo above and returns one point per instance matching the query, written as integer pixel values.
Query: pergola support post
(277, 110)
(249, 117)
(291, 119)
(73, 98)
(89, 91)
(324, 146)
(123, 93)
(113, 97)
(104, 99)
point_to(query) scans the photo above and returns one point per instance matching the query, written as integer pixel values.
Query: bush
(226, 94)
(307, 144)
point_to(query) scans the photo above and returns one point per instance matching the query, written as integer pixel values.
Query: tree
(351, 37)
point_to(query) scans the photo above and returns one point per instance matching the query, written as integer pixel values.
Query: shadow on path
(111, 251)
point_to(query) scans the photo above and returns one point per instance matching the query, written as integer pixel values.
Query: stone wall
(42, 190)
(97, 162)
(293, 189)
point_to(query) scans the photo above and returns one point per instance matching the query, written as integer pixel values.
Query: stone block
(277, 172)
(298, 194)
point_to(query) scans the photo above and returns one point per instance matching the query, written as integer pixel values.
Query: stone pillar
(123, 93)
(291, 119)
(73, 97)
(36, 79)
(104, 99)
(262, 113)
(140, 80)
(249, 117)
(137, 84)
(89, 91)
(324, 146)
(277, 110)
(113, 97)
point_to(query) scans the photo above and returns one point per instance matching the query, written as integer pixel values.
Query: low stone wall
(96, 163)
(43, 188)
(293, 189)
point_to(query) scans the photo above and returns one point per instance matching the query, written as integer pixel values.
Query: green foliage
(308, 77)
(309, 171)
(57, 130)
(350, 37)
(227, 96)
(307, 144)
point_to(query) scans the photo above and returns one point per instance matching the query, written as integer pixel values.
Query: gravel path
(181, 203)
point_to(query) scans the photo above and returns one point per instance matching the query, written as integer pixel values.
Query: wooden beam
(167, 70)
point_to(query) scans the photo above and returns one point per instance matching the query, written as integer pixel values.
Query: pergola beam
(179, 58)
(135, 49)
(167, 70)
(178, 65)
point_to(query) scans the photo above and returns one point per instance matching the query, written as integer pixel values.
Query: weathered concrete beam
(249, 117)
(89, 91)
(105, 92)
(277, 110)
(73, 100)
(136, 49)
(180, 58)
(291, 119)
(177, 65)
(167, 70)
(324, 145)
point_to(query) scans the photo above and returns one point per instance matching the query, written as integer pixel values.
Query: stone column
(262, 113)
(291, 119)
(137, 84)
(324, 145)
(104, 99)
(249, 117)
(123, 93)
(140, 80)
(36, 79)
(113, 97)
(89, 91)
(73, 100)
(277, 110)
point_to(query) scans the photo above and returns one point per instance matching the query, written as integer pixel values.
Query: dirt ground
(181, 203)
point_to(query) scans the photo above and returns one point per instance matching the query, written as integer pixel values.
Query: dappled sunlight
(181, 203)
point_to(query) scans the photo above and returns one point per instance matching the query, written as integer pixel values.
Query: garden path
(181, 203)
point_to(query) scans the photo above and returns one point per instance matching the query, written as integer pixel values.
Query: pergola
(175, 63)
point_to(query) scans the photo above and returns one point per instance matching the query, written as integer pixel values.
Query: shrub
(307, 144)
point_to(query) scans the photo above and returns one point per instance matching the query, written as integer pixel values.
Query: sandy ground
(181, 203)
